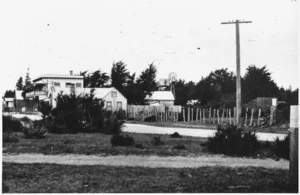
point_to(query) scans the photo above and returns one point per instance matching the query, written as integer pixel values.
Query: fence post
(183, 114)
(272, 110)
(214, 116)
(218, 116)
(230, 116)
(192, 114)
(209, 115)
(222, 120)
(251, 119)
(204, 116)
(197, 114)
(188, 114)
(200, 113)
(246, 117)
(293, 171)
(258, 119)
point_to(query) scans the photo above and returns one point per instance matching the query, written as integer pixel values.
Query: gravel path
(146, 161)
(137, 128)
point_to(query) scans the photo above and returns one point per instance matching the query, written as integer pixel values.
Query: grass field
(96, 143)
(46, 178)
(198, 125)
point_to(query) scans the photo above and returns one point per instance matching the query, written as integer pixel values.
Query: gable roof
(45, 76)
(100, 93)
(161, 95)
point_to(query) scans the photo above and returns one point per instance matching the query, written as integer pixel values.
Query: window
(113, 94)
(108, 105)
(69, 85)
(78, 84)
(119, 105)
(57, 84)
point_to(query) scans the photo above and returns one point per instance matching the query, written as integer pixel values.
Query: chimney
(71, 72)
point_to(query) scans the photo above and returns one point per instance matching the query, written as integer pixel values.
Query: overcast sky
(58, 36)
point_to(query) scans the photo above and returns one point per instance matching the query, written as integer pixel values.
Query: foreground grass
(45, 178)
(97, 143)
(198, 125)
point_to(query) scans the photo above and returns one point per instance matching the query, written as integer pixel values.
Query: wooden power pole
(238, 70)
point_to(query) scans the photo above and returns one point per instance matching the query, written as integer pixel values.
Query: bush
(175, 135)
(34, 129)
(112, 125)
(120, 140)
(180, 147)
(10, 137)
(11, 125)
(140, 146)
(150, 119)
(282, 148)
(156, 141)
(233, 141)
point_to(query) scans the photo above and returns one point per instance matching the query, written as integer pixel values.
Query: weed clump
(120, 140)
(282, 147)
(150, 119)
(175, 135)
(156, 141)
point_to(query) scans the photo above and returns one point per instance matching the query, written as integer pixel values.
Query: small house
(165, 98)
(112, 98)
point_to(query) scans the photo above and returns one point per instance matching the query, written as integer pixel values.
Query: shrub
(175, 135)
(112, 125)
(10, 137)
(150, 119)
(140, 146)
(233, 141)
(120, 140)
(34, 129)
(156, 141)
(10, 124)
(282, 147)
(180, 147)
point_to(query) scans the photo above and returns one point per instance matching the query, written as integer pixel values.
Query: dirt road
(146, 161)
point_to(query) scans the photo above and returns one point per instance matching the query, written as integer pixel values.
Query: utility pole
(238, 70)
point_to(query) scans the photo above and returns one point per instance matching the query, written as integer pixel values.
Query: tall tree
(98, 79)
(95, 79)
(119, 75)
(19, 84)
(9, 94)
(27, 79)
(257, 82)
(147, 80)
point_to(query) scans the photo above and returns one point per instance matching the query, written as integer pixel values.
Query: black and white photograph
(149, 96)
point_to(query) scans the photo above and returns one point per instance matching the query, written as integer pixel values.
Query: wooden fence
(161, 112)
(250, 116)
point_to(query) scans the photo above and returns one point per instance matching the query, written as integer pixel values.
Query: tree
(98, 79)
(119, 76)
(19, 84)
(184, 92)
(147, 80)
(257, 82)
(95, 79)
(9, 94)
(27, 79)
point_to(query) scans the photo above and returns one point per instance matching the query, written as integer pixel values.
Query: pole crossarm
(237, 21)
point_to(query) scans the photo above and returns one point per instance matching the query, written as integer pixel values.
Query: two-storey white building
(47, 87)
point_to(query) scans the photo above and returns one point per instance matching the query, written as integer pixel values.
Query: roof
(161, 95)
(18, 95)
(100, 93)
(57, 76)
